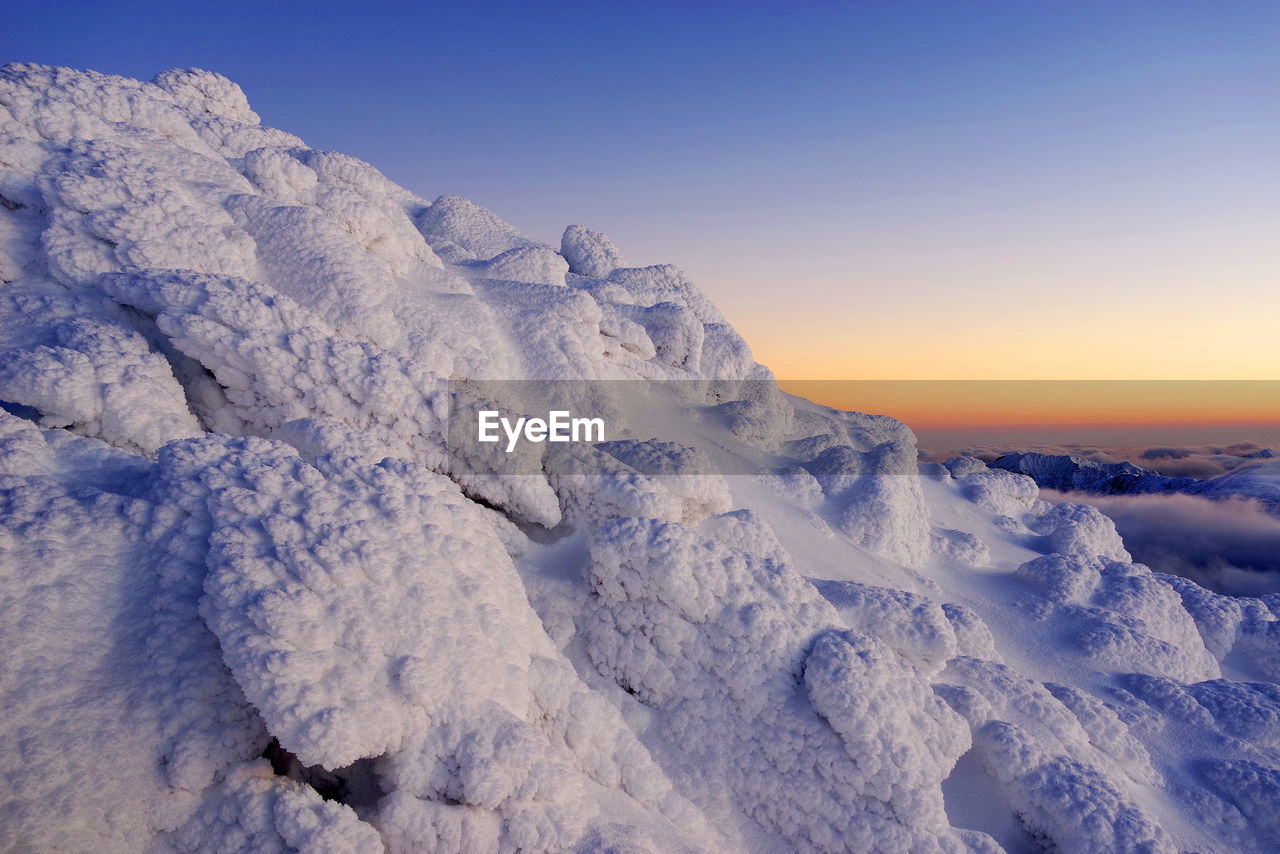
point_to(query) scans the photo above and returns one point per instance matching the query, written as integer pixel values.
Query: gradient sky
(970, 404)
(875, 190)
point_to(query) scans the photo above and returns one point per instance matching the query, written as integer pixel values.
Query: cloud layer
(1230, 546)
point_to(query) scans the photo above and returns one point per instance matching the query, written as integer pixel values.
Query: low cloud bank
(1230, 546)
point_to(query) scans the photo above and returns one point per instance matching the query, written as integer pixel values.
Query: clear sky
(874, 190)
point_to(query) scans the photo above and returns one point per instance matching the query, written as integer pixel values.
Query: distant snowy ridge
(229, 520)
(1068, 473)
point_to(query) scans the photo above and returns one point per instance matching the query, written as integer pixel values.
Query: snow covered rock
(914, 627)
(119, 711)
(255, 810)
(1079, 529)
(999, 492)
(589, 253)
(711, 627)
(523, 264)
(651, 479)
(73, 357)
(1047, 766)
(1121, 614)
(462, 230)
(338, 599)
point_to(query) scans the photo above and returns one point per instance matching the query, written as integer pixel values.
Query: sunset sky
(941, 404)
(876, 190)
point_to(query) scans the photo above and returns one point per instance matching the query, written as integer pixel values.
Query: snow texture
(233, 529)
(589, 253)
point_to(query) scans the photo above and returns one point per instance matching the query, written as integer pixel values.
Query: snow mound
(462, 230)
(116, 698)
(254, 810)
(913, 626)
(341, 657)
(711, 627)
(73, 357)
(589, 253)
(1120, 614)
(1069, 790)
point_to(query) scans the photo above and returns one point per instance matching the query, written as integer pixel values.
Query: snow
(589, 253)
(336, 599)
(119, 710)
(74, 357)
(523, 264)
(234, 524)
(466, 231)
(711, 627)
(913, 626)
(254, 810)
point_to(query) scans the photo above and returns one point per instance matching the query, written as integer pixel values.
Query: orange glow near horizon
(912, 329)
(943, 404)
(1015, 346)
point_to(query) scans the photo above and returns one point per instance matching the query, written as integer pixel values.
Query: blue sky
(876, 190)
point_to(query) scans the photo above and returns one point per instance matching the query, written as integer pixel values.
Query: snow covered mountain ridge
(231, 527)
(1257, 480)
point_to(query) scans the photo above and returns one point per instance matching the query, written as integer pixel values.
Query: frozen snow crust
(250, 602)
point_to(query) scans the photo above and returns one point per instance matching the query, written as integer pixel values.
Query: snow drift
(252, 602)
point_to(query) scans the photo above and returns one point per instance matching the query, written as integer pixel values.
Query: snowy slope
(252, 600)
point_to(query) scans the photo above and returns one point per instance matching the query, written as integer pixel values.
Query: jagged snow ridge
(1254, 480)
(229, 529)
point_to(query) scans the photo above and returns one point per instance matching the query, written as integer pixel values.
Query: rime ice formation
(252, 601)
(589, 253)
